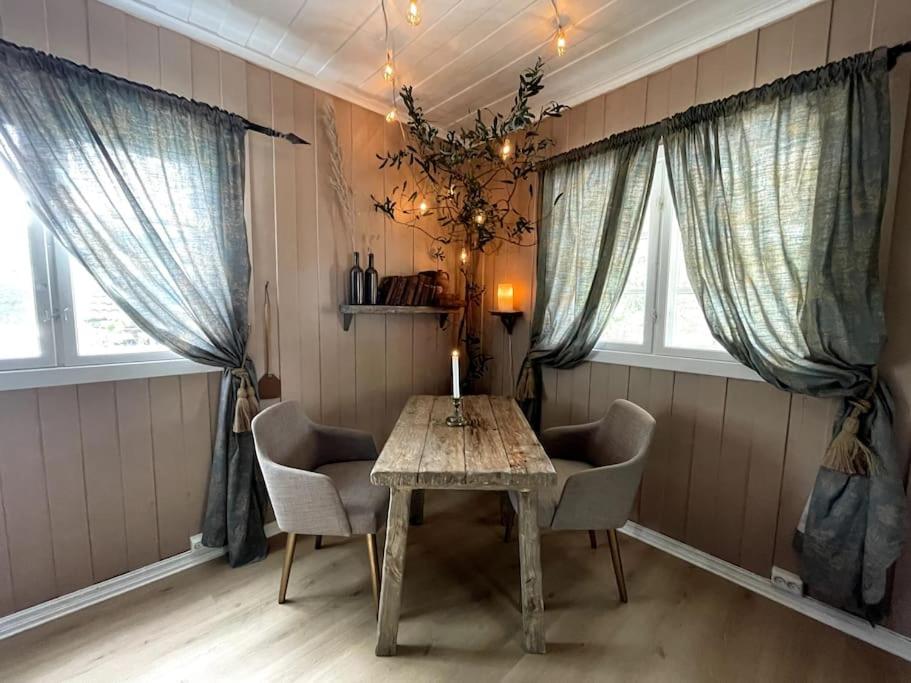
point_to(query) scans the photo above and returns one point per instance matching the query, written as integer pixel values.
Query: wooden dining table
(496, 450)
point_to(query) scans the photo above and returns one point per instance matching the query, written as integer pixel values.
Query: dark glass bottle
(356, 282)
(371, 282)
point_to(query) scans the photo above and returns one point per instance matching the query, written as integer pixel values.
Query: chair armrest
(570, 442)
(305, 502)
(599, 498)
(340, 444)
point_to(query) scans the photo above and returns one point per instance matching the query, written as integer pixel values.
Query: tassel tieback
(246, 406)
(847, 453)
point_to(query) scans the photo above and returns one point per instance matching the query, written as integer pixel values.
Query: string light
(480, 217)
(506, 149)
(414, 13)
(390, 117)
(463, 257)
(423, 207)
(388, 68)
(561, 34)
(561, 42)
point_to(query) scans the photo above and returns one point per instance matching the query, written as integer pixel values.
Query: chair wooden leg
(286, 568)
(593, 540)
(618, 563)
(317, 542)
(374, 568)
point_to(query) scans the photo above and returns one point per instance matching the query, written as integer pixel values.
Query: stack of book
(422, 289)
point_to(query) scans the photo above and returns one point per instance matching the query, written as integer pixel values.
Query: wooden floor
(460, 620)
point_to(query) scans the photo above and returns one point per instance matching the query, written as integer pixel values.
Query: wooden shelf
(348, 311)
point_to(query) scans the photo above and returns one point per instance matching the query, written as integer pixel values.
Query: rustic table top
(496, 450)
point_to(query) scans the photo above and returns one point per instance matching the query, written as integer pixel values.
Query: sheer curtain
(146, 190)
(592, 204)
(779, 193)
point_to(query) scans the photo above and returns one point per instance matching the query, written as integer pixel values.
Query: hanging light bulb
(422, 207)
(388, 68)
(561, 42)
(390, 117)
(480, 217)
(506, 149)
(414, 13)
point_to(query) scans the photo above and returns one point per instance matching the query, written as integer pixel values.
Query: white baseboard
(20, 621)
(878, 636)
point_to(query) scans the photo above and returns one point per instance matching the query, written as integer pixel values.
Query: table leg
(530, 558)
(417, 507)
(387, 628)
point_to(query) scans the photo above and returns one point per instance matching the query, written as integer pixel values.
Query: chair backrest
(283, 435)
(625, 433)
(602, 498)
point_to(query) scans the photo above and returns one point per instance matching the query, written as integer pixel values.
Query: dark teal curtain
(779, 193)
(146, 190)
(592, 204)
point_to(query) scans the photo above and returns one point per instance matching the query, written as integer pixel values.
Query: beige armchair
(599, 467)
(318, 479)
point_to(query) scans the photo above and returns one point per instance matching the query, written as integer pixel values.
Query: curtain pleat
(592, 211)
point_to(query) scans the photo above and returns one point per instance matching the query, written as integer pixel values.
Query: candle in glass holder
(504, 297)
(455, 375)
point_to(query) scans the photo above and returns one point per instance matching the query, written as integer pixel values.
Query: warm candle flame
(455, 353)
(505, 296)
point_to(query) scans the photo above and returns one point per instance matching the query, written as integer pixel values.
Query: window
(52, 312)
(658, 321)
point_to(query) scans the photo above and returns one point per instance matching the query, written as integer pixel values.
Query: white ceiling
(465, 54)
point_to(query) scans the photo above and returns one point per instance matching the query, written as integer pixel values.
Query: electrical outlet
(788, 581)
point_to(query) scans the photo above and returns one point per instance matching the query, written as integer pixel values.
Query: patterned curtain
(593, 204)
(146, 190)
(779, 193)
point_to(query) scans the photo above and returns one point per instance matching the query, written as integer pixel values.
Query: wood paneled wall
(735, 460)
(102, 478)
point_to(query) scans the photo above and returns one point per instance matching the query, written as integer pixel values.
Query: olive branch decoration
(467, 181)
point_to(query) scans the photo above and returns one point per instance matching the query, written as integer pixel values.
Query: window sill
(85, 374)
(695, 366)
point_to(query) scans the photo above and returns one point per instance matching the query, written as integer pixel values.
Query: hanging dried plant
(344, 195)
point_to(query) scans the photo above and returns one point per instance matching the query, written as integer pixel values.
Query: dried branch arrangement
(344, 195)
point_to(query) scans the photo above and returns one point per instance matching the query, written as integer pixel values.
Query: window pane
(19, 329)
(627, 321)
(686, 327)
(101, 327)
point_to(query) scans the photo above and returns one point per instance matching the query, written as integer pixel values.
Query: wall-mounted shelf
(348, 311)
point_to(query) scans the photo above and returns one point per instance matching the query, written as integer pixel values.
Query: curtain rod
(67, 63)
(644, 132)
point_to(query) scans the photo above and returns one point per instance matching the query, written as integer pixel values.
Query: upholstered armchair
(599, 467)
(318, 479)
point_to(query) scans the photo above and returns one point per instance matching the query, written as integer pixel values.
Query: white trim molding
(109, 372)
(31, 617)
(657, 361)
(878, 636)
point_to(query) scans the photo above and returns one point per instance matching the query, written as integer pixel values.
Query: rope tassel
(847, 453)
(246, 407)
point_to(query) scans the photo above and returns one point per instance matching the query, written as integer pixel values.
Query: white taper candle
(455, 375)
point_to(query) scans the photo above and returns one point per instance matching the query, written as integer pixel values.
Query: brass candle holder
(457, 419)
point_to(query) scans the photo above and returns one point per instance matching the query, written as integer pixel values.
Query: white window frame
(59, 362)
(44, 311)
(654, 352)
